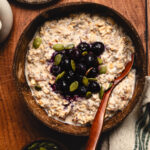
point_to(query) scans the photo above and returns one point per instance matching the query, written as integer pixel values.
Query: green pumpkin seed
(85, 81)
(73, 86)
(73, 65)
(100, 61)
(92, 79)
(84, 53)
(58, 58)
(37, 42)
(60, 75)
(33, 146)
(88, 94)
(58, 47)
(69, 46)
(43, 144)
(51, 144)
(110, 85)
(101, 93)
(38, 88)
(103, 70)
(42, 148)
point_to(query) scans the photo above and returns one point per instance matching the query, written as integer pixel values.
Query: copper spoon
(97, 125)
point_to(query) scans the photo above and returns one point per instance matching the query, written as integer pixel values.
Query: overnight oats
(73, 61)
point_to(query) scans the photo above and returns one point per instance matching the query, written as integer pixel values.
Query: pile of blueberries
(75, 69)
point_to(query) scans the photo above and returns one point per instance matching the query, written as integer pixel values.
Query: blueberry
(93, 73)
(94, 87)
(68, 79)
(81, 68)
(57, 85)
(76, 54)
(82, 90)
(63, 86)
(71, 73)
(90, 60)
(97, 48)
(83, 46)
(83, 60)
(67, 52)
(79, 78)
(55, 70)
(63, 52)
(65, 64)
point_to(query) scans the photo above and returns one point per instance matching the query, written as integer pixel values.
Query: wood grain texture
(17, 125)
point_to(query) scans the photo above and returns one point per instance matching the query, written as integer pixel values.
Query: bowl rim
(76, 4)
(49, 139)
(38, 4)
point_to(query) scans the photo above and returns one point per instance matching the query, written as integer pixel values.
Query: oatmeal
(72, 30)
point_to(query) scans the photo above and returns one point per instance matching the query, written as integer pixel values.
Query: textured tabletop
(17, 125)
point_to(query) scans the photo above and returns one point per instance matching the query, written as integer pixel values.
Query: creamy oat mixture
(73, 29)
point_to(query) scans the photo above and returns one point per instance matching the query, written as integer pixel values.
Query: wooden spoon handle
(99, 118)
(96, 128)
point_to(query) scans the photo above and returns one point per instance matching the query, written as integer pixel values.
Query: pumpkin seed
(73, 86)
(103, 70)
(38, 88)
(88, 94)
(73, 65)
(43, 144)
(58, 58)
(85, 81)
(100, 61)
(58, 47)
(84, 53)
(42, 148)
(69, 46)
(51, 144)
(110, 85)
(60, 75)
(33, 146)
(101, 93)
(92, 79)
(37, 42)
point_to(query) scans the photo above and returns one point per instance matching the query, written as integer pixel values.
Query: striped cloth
(134, 132)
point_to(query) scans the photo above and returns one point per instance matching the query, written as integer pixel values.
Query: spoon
(97, 125)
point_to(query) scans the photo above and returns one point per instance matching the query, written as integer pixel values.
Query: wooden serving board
(17, 125)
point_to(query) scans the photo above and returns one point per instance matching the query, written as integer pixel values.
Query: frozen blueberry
(81, 68)
(97, 48)
(94, 87)
(55, 70)
(83, 46)
(93, 73)
(82, 90)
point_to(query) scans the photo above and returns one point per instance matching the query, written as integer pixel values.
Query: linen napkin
(134, 132)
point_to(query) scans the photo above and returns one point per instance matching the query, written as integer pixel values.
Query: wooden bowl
(56, 12)
(36, 3)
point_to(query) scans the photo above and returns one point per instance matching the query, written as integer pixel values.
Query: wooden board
(17, 125)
